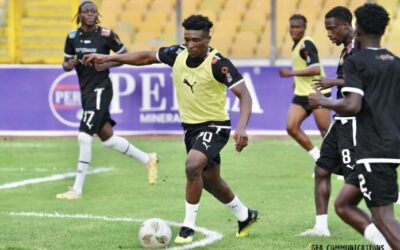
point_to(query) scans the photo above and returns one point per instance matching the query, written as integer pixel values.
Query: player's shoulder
(174, 49)
(218, 58)
(72, 34)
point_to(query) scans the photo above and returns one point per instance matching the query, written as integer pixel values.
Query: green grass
(272, 175)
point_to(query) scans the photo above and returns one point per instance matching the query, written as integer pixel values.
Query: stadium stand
(242, 28)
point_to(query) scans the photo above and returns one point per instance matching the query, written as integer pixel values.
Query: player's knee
(193, 169)
(292, 130)
(110, 143)
(84, 138)
(340, 208)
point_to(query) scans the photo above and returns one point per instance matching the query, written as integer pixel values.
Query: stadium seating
(242, 28)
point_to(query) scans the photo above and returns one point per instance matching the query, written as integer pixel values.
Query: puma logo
(205, 145)
(190, 85)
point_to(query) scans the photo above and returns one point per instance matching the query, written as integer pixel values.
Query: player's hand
(241, 140)
(315, 99)
(70, 63)
(94, 58)
(285, 72)
(102, 66)
(322, 83)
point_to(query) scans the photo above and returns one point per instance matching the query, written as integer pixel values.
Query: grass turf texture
(272, 175)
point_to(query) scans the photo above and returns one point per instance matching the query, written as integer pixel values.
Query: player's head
(338, 24)
(298, 25)
(197, 35)
(87, 14)
(371, 22)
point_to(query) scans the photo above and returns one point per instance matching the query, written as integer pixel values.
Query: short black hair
(197, 22)
(297, 17)
(341, 13)
(372, 18)
(76, 17)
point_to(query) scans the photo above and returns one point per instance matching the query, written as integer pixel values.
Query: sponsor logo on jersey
(105, 32)
(72, 34)
(85, 50)
(215, 59)
(65, 99)
(385, 57)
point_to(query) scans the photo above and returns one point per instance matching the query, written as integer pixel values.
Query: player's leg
(196, 161)
(122, 145)
(215, 185)
(322, 119)
(346, 208)
(85, 156)
(295, 117)
(378, 184)
(322, 191)
(387, 223)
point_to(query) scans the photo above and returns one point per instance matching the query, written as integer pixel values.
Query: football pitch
(272, 175)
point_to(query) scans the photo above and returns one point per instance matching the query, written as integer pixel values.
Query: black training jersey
(375, 74)
(223, 69)
(100, 41)
(347, 51)
(308, 52)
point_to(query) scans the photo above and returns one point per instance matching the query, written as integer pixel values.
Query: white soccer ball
(154, 233)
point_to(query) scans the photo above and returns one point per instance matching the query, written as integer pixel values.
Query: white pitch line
(55, 177)
(211, 236)
(27, 169)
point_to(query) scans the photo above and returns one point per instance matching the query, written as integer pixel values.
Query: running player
(306, 66)
(200, 76)
(372, 93)
(96, 95)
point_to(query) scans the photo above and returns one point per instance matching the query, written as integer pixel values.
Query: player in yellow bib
(305, 67)
(201, 75)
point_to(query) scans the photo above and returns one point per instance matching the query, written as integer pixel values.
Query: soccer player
(306, 66)
(96, 95)
(201, 75)
(337, 148)
(372, 93)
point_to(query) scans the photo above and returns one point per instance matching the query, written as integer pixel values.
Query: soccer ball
(154, 233)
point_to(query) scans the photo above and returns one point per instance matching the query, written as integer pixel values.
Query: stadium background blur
(34, 31)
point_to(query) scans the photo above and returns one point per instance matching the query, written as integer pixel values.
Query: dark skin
(383, 216)
(197, 43)
(88, 16)
(296, 114)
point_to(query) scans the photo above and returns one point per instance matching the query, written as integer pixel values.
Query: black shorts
(96, 110)
(303, 102)
(378, 183)
(208, 139)
(337, 150)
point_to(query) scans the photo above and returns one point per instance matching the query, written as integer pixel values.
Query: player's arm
(349, 105)
(241, 138)
(107, 65)
(353, 93)
(69, 63)
(311, 71)
(132, 58)
(226, 73)
(326, 83)
(310, 54)
(70, 59)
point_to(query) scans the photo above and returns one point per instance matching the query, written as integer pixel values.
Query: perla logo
(65, 99)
